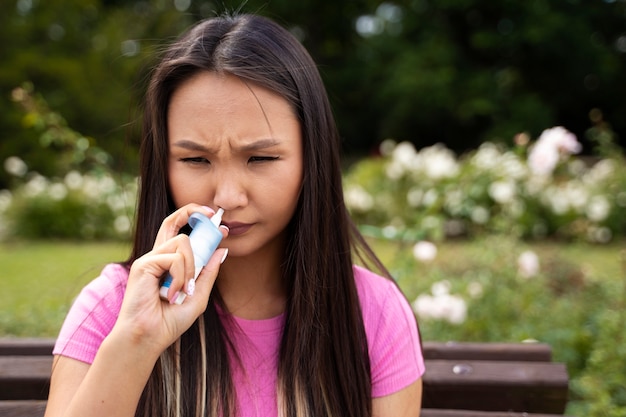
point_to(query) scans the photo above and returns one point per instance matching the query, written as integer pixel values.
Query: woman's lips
(236, 228)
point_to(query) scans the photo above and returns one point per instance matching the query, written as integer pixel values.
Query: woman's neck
(252, 287)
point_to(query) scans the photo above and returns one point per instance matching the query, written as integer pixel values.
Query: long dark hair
(324, 367)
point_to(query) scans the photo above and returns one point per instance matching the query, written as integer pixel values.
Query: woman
(236, 117)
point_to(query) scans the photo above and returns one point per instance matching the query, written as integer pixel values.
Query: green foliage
(457, 72)
(477, 291)
(75, 207)
(86, 201)
(527, 191)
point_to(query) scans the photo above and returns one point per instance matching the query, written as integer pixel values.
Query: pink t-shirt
(394, 347)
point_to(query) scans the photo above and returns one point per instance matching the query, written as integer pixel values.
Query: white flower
(15, 166)
(528, 264)
(116, 202)
(439, 162)
(73, 180)
(511, 166)
(598, 208)
(486, 157)
(502, 192)
(576, 194)
(455, 309)
(480, 215)
(122, 224)
(389, 231)
(359, 199)
(453, 201)
(425, 306)
(57, 191)
(556, 199)
(425, 251)
(447, 307)
(387, 146)
(430, 198)
(5, 200)
(404, 154)
(440, 288)
(475, 289)
(414, 197)
(394, 170)
(36, 185)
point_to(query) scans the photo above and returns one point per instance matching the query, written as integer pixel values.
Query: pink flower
(551, 145)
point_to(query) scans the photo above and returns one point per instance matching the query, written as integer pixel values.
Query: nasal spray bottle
(205, 236)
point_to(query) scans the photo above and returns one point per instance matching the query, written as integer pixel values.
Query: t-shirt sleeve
(396, 357)
(92, 315)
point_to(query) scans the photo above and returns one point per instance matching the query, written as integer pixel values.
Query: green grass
(577, 304)
(40, 280)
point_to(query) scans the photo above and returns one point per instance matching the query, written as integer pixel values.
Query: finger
(206, 280)
(174, 222)
(180, 271)
(180, 244)
(152, 266)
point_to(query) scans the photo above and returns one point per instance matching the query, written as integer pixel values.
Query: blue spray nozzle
(204, 238)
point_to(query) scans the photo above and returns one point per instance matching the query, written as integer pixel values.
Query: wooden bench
(462, 379)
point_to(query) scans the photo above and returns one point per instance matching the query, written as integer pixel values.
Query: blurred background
(458, 72)
(483, 146)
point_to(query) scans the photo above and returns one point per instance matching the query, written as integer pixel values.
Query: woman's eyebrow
(190, 145)
(258, 145)
(247, 147)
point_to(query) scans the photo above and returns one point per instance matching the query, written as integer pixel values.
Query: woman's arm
(111, 386)
(404, 403)
(146, 326)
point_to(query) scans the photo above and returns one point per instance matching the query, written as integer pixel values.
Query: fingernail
(209, 209)
(191, 287)
(223, 226)
(174, 298)
(224, 256)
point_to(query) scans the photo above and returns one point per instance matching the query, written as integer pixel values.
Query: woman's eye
(262, 158)
(196, 160)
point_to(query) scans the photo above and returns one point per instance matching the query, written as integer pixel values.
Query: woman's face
(237, 146)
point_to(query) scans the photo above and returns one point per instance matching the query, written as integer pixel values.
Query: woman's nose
(230, 192)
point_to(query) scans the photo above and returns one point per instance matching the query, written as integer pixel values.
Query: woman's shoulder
(92, 314)
(372, 287)
(391, 330)
(382, 301)
(110, 284)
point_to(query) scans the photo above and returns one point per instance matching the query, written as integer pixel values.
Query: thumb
(206, 279)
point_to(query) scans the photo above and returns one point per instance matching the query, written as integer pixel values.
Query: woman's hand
(144, 317)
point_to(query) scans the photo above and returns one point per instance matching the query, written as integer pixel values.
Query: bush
(499, 290)
(85, 200)
(79, 207)
(532, 191)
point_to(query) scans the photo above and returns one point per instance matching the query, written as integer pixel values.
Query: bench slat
(25, 377)
(518, 386)
(464, 376)
(20, 346)
(491, 386)
(31, 408)
(432, 412)
(536, 352)
(540, 352)
(36, 408)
